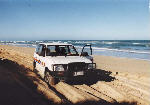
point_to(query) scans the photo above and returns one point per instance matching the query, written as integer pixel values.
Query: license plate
(78, 73)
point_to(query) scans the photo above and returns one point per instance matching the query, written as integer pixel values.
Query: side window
(41, 50)
(37, 49)
(51, 50)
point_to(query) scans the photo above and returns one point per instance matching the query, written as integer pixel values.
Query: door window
(41, 50)
(50, 51)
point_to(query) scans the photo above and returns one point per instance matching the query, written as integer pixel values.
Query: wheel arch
(46, 70)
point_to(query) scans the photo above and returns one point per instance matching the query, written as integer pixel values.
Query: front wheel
(49, 79)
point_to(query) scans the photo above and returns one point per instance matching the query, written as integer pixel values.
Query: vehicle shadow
(103, 75)
(94, 77)
(17, 87)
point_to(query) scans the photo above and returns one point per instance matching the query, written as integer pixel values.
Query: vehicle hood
(67, 59)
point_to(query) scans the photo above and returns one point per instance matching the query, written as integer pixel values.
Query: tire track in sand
(137, 90)
(94, 92)
(130, 94)
(73, 94)
(108, 90)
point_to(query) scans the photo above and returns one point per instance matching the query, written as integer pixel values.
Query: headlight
(91, 66)
(58, 68)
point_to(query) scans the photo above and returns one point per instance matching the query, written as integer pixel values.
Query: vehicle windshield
(61, 50)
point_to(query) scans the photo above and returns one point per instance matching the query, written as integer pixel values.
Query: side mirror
(84, 53)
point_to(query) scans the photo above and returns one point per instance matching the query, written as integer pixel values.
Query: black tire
(34, 65)
(49, 79)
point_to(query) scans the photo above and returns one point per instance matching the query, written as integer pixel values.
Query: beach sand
(121, 79)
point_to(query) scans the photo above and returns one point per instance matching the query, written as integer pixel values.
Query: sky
(74, 20)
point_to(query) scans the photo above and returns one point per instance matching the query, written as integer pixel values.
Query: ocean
(138, 49)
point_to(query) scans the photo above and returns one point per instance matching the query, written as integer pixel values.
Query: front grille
(77, 66)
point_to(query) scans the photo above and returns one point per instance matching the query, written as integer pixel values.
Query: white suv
(60, 61)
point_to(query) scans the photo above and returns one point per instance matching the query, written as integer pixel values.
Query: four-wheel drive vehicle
(61, 62)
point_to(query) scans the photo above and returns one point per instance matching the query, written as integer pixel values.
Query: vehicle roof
(55, 43)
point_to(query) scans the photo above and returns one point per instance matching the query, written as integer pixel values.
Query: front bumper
(71, 77)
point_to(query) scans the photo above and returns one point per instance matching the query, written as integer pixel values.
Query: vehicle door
(40, 64)
(87, 52)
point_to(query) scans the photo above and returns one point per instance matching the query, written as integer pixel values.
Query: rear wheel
(34, 66)
(49, 79)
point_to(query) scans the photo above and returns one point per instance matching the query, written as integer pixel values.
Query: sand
(123, 64)
(121, 80)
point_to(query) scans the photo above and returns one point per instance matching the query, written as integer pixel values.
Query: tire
(49, 79)
(34, 65)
